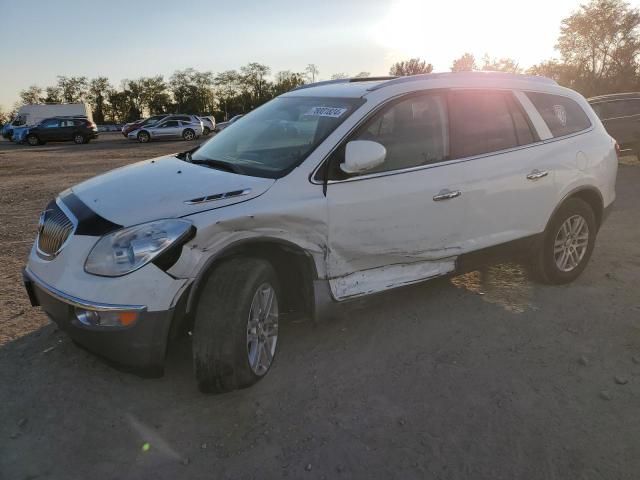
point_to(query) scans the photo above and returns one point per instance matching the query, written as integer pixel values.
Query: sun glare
(441, 32)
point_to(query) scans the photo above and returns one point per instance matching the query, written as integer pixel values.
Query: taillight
(618, 150)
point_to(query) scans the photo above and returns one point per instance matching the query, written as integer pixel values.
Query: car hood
(165, 187)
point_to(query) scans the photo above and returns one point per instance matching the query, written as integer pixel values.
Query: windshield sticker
(333, 112)
(561, 114)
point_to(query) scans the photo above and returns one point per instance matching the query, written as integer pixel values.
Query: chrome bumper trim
(79, 302)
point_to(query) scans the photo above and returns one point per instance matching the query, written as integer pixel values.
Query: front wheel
(206, 131)
(143, 137)
(568, 243)
(235, 333)
(33, 140)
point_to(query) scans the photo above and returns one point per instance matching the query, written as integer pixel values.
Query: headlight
(131, 248)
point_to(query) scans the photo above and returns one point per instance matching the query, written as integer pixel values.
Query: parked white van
(33, 114)
(330, 192)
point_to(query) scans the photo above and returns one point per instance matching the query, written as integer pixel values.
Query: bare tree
(312, 72)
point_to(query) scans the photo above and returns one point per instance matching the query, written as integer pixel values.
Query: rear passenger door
(508, 180)
(66, 130)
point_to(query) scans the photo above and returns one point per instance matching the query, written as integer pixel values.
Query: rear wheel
(143, 137)
(189, 134)
(235, 333)
(206, 131)
(79, 138)
(33, 140)
(568, 243)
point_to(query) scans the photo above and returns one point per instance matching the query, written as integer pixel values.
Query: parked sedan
(62, 129)
(130, 127)
(167, 129)
(222, 125)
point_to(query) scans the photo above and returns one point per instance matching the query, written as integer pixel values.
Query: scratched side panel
(295, 214)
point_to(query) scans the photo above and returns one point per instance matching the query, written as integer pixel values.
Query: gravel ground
(483, 376)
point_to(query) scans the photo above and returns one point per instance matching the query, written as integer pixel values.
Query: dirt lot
(485, 376)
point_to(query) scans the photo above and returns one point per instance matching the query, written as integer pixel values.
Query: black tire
(544, 266)
(220, 343)
(189, 134)
(79, 138)
(144, 137)
(33, 140)
(206, 131)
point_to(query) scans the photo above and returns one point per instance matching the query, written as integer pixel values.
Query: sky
(128, 39)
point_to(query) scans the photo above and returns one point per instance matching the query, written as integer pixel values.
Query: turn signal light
(95, 318)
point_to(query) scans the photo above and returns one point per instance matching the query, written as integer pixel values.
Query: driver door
(394, 225)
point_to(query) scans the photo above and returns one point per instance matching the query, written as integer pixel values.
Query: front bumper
(140, 346)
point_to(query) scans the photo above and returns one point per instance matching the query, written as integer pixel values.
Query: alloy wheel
(571, 243)
(262, 329)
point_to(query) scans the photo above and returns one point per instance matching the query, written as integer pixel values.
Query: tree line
(599, 47)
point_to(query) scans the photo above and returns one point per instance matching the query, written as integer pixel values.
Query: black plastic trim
(89, 222)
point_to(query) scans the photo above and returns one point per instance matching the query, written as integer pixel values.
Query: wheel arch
(589, 194)
(294, 266)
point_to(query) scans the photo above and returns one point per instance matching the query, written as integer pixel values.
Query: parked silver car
(169, 128)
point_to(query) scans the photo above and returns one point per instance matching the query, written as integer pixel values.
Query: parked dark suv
(62, 129)
(620, 114)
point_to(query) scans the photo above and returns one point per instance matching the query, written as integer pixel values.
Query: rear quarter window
(562, 115)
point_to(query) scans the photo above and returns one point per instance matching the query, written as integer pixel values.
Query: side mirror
(362, 155)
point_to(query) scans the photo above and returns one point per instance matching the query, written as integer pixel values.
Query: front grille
(53, 231)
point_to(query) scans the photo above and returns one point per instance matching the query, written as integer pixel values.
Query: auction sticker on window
(334, 112)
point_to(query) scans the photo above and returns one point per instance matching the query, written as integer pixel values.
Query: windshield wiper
(219, 164)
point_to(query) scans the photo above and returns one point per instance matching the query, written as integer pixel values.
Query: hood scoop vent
(218, 196)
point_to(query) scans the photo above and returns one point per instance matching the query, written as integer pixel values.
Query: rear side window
(483, 122)
(562, 115)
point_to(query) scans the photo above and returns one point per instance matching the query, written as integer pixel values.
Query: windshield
(275, 138)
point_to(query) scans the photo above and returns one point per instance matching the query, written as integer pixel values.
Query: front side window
(50, 123)
(562, 115)
(278, 136)
(484, 122)
(414, 131)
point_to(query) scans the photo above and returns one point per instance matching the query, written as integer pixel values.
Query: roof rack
(344, 80)
(433, 76)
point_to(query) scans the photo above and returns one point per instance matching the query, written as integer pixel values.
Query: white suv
(330, 192)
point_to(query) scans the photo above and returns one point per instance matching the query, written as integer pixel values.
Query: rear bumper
(140, 347)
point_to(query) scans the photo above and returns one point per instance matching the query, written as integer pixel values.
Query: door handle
(446, 194)
(536, 174)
